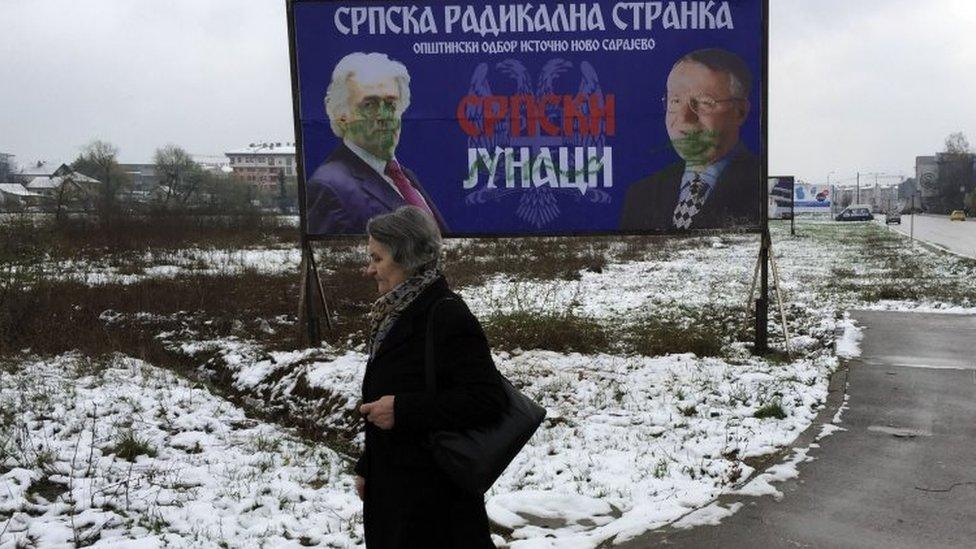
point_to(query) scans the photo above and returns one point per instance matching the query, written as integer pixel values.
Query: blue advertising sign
(812, 198)
(531, 118)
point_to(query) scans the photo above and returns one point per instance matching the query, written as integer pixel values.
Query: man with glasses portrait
(715, 184)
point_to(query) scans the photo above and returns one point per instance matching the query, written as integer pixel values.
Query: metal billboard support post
(793, 207)
(762, 304)
(761, 345)
(311, 297)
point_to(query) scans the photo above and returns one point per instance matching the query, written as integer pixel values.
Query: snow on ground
(630, 442)
(653, 437)
(172, 264)
(214, 477)
(849, 343)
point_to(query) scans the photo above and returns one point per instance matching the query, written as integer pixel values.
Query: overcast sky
(862, 85)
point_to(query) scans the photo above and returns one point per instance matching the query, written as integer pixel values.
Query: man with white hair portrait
(362, 177)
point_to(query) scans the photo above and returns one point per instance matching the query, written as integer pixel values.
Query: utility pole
(857, 196)
(911, 232)
(833, 193)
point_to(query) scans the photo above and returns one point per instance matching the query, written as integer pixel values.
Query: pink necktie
(410, 194)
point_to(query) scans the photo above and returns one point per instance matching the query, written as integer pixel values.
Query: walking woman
(407, 501)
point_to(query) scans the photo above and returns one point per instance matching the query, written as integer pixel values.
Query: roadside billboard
(812, 198)
(780, 197)
(541, 118)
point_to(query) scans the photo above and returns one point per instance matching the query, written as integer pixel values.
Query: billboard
(780, 197)
(530, 118)
(812, 198)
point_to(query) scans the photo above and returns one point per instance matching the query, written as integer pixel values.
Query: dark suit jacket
(650, 202)
(344, 193)
(409, 502)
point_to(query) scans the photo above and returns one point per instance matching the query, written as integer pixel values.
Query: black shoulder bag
(475, 458)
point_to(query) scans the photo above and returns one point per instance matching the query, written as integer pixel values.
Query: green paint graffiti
(696, 146)
(376, 128)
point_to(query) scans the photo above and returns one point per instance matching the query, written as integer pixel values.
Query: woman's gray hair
(410, 234)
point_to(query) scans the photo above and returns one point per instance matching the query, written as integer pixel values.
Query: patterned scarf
(387, 309)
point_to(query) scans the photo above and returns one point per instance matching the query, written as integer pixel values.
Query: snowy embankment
(631, 442)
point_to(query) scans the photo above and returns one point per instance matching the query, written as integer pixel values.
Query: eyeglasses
(699, 104)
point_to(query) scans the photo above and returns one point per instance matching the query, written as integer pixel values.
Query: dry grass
(560, 332)
(76, 237)
(51, 317)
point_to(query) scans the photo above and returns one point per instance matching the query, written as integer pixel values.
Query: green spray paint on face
(375, 127)
(696, 146)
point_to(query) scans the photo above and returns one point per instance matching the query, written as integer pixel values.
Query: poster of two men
(614, 121)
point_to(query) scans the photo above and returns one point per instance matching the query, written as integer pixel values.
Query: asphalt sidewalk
(901, 475)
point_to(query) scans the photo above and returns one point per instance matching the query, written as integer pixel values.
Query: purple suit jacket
(345, 192)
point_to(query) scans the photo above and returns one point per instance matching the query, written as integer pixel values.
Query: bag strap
(429, 359)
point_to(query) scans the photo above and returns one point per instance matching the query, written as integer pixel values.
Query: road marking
(899, 432)
(938, 366)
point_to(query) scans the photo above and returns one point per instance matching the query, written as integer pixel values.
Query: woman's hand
(361, 487)
(379, 412)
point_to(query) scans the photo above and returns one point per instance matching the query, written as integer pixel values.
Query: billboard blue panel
(812, 198)
(534, 118)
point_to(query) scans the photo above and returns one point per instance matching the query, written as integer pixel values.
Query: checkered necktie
(409, 194)
(692, 199)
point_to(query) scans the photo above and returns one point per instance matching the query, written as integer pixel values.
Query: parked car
(855, 212)
(957, 215)
(892, 218)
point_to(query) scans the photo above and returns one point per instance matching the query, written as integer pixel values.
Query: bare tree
(99, 159)
(178, 172)
(957, 144)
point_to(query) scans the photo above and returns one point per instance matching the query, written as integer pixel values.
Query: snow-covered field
(207, 475)
(631, 442)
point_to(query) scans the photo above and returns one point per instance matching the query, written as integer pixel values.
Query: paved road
(956, 236)
(903, 474)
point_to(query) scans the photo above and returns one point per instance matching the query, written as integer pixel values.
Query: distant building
(881, 197)
(42, 169)
(217, 165)
(947, 181)
(927, 176)
(16, 197)
(6, 167)
(907, 189)
(143, 176)
(259, 163)
(57, 183)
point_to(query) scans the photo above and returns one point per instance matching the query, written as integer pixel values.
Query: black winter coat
(409, 502)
